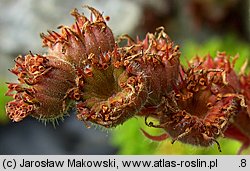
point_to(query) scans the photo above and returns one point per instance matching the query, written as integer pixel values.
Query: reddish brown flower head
(203, 103)
(134, 77)
(83, 39)
(111, 96)
(158, 58)
(45, 81)
(200, 111)
(240, 86)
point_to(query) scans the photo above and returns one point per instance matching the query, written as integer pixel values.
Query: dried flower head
(204, 102)
(40, 90)
(45, 81)
(158, 58)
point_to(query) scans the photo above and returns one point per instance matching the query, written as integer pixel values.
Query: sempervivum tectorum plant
(107, 84)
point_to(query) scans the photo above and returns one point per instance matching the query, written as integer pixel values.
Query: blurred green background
(3, 100)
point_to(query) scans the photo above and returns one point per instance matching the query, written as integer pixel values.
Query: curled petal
(161, 137)
(18, 109)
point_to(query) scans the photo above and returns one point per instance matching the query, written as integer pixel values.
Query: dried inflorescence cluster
(108, 83)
